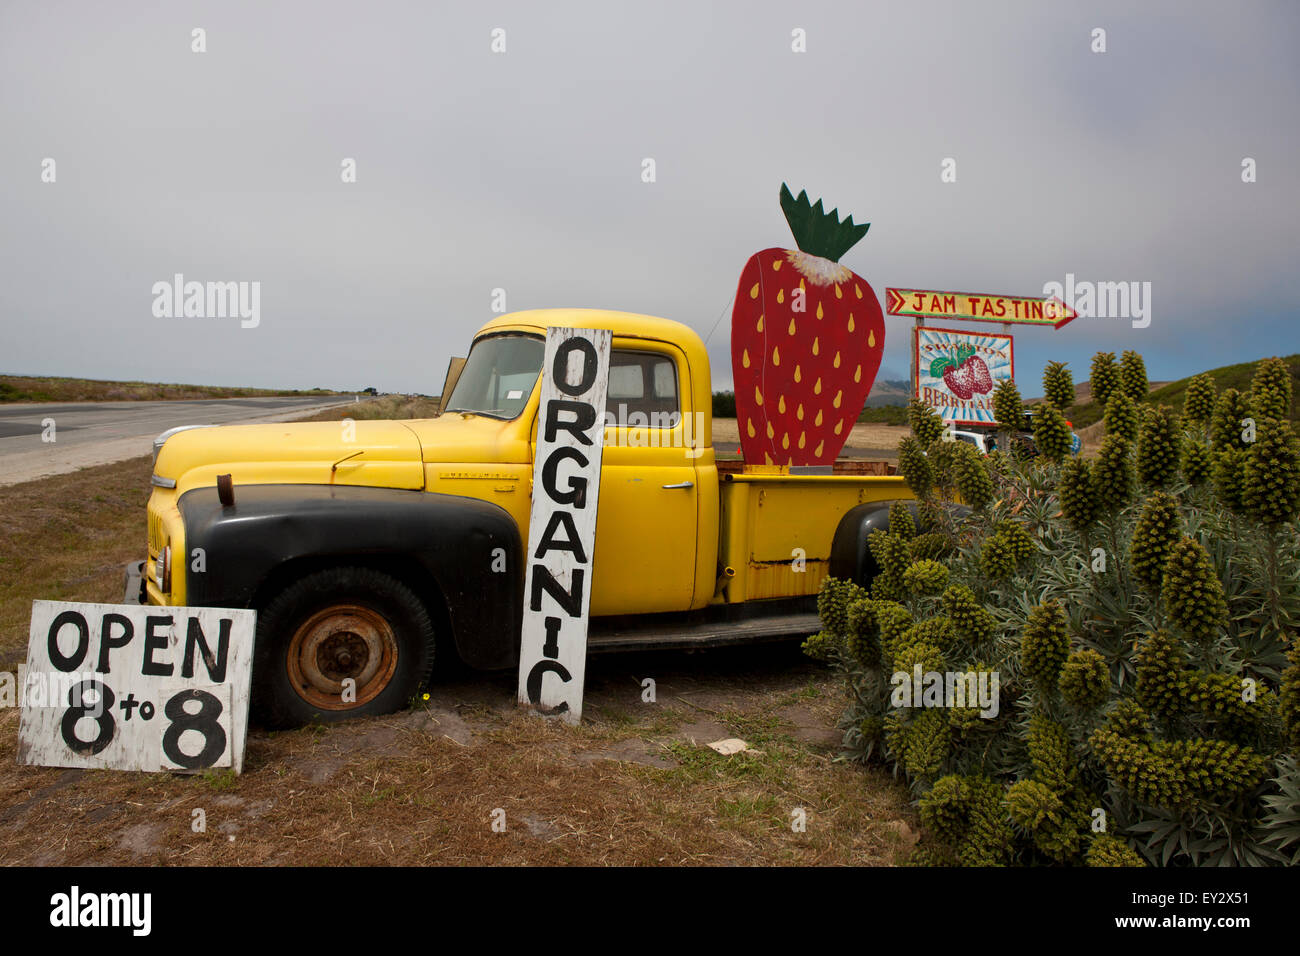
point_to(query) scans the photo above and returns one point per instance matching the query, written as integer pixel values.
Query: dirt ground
(635, 784)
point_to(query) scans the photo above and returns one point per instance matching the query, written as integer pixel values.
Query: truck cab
(369, 548)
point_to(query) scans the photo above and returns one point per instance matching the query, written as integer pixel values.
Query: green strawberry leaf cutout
(938, 365)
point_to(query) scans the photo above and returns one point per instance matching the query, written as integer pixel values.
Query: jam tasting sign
(131, 687)
(562, 524)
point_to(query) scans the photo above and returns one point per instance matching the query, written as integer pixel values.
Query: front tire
(333, 627)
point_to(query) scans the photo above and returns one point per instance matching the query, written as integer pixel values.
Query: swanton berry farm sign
(956, 372)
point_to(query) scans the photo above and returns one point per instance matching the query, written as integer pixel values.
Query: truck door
(647, 526)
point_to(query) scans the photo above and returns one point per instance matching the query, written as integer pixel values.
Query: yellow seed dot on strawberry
(767, 459)
(816, 345)
(818, 421)
(819, 310)
(776, 355)
(792, 326)
(802, 437)
(798, 412)
(744, 358)
(818, 450)
(802, 286)
(770, 431)
(838, 395)
(836, 363)
(780, 405)
(780, 295)
(838, 293)
(817, 386)
(850, 321)
(758, 396)
(753, 293)
(785, 440)
(776, 265)
(750, 423)
(858, 289)
(839, 427)
(871, 340)
(857, 375)
(798, 373)
(759, 327)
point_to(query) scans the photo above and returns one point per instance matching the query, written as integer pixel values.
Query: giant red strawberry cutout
(806, 339)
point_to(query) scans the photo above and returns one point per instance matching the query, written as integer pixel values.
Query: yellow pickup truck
(367, 546)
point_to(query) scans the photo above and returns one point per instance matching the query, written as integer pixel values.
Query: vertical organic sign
(562, 526)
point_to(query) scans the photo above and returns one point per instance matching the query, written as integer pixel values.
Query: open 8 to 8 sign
(136, 688)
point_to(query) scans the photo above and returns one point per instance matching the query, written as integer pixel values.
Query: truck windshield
(498, 376)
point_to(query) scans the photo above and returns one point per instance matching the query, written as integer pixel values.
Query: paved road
(96, 433)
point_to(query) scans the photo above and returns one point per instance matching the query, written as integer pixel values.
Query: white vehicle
(983, 443)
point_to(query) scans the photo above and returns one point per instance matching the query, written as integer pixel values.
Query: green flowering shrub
(1122, 416)
(1058, 385)
(901, 522)
(1197, 463)
(1227, 427)
(1106, 850)
(1198, 402)
(925, 422)
(1079, 505)
(1270, 391)
(1113, 477)
(1154, 536)
(1008, 408)
(1133, 376)
(1044, 643)
(1270, 479)
(1159, 448)
(1193, 593)
(1141, 651)
(1085, 680)
(925, 577)
(914, 466)
(1052, 435)
(1104, 379)
(1230, 478)
(971, 476)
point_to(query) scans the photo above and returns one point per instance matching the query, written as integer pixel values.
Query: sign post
(562, 523)
(129, 687)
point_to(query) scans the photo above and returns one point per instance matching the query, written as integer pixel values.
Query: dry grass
(386, 407)
(27, 388)
(400, 790)
(882, 439)
(68, 538)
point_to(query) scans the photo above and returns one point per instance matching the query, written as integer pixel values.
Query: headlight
(163, 568)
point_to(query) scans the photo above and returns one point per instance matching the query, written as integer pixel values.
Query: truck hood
(380, 453)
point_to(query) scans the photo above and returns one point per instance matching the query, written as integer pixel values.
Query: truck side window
(642, 391)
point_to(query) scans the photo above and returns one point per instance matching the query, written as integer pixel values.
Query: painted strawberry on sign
(966, 375)
(807, 335)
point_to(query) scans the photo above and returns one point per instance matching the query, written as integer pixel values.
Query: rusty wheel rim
(340, 642)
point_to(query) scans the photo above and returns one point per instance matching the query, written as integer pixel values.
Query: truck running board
(709, 634)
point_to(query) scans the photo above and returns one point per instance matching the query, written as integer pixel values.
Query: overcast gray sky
(522, 170)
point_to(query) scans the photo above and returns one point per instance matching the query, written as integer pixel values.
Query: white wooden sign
(132, 687)
(562, 526)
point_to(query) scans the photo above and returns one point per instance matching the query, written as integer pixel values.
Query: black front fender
(469, 549)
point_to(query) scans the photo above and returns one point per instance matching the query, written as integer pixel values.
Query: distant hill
(34, 388)
(1171, 393)
(891, 392)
